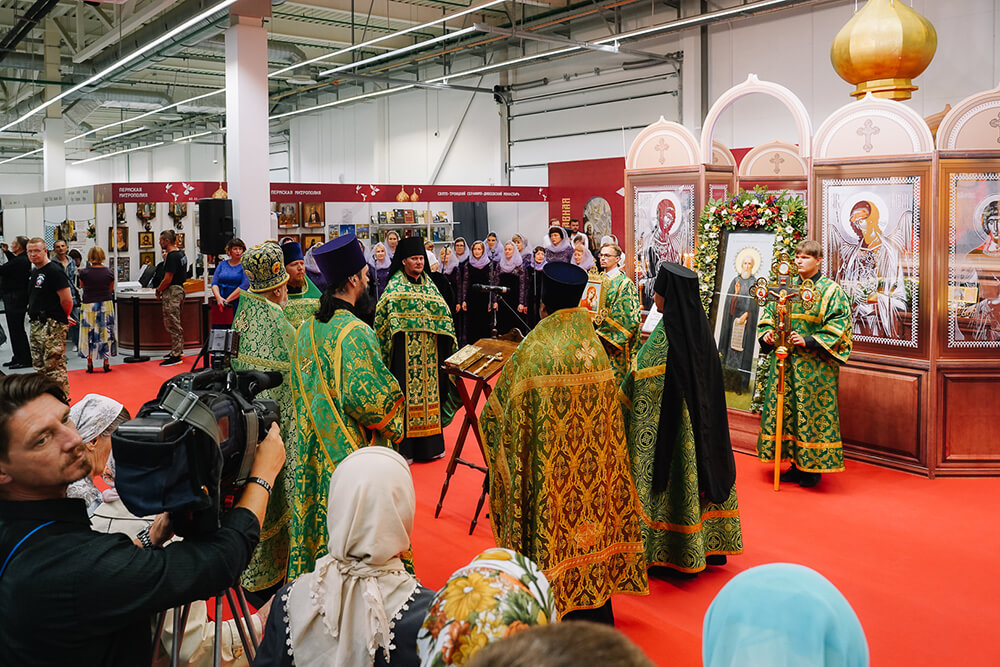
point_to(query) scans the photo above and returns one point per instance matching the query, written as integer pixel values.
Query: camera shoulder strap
(22, 541)
(186, 407)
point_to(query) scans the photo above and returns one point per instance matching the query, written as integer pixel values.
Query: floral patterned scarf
(498, 594)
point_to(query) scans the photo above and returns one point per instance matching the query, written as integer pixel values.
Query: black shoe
(8, 363)
(790, 475)
(808, 480)
(171, 361)
(16, 365)
(716, 559)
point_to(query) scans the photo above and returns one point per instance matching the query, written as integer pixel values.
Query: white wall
(403, 138)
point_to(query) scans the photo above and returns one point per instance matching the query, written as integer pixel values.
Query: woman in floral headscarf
(498, 594)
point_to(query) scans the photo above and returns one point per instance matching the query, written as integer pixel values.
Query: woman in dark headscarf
(533, 272)
(479, 317)
(559, 248)
(510, 274)
(461, 255)
(678, 434)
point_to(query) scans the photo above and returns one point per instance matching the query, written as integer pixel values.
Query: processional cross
(782, 292)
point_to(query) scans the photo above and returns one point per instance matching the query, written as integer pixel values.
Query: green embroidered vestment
(302, 306)
(266, 339)
(678, 528)
(345, 399)
(418, 311)
(560, 488)
(811, 421)
(618, 322)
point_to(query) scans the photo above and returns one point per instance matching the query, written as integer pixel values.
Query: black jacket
(15, 275)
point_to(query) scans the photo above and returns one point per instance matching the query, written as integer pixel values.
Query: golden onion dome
(882, 48)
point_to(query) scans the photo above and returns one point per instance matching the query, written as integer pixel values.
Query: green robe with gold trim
(303, 305)
(678, 528)
(560, 488)
(345, 399)
(266, 339)
(811, 421)
(618, 322)
(416, 315)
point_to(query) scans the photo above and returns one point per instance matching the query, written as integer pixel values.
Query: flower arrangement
(782, 214)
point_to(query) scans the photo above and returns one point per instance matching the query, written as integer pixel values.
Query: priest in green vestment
(618, 320)
(416, 332)
(345, 397)
(820, 343)
(560, 488)
(303, 295)
(678, 434)
(266, 340)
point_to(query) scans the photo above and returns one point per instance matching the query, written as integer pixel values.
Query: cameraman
(69, 595)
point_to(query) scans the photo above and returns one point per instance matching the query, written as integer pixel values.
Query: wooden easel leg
(479, 505)
(469, 404)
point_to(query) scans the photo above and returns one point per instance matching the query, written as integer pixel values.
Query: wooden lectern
(478, 363)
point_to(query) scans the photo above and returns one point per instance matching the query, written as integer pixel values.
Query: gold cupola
(882, 48)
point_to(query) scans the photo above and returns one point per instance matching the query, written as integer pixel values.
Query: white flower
(788, 229)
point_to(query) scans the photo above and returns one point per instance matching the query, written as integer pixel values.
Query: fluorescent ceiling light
(396, 52)
(219, 6)
(356, 98)
(148, 113)
(18, 157)
(195, 136)
(122, 134)
(504, 64)
(699, 19)
(127, 150)
(377, 40)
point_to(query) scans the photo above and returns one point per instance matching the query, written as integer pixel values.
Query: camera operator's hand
(161, 530)
(267, 463)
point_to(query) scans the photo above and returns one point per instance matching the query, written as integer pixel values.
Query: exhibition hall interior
(610, 252)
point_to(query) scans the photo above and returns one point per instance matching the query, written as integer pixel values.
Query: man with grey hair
(170, 291)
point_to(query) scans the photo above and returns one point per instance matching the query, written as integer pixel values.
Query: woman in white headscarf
(359, 607)
(96, 418)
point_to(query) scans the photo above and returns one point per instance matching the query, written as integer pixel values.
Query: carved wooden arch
(775, 159)
(663, 144)
(749, 87)
(973, 124)
(722, 156)
(871, 127)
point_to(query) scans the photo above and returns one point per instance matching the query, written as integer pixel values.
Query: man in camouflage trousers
(50, 303)
(171, 293)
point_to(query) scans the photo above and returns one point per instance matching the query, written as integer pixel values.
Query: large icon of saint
(871, 269)
(983, 272)
(739, 321)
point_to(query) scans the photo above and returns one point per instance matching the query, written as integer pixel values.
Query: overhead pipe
(25, 25)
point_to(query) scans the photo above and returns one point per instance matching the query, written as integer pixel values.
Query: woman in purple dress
(479, 317)
(461, 255)
(559, 248)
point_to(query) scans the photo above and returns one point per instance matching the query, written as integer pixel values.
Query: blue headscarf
(782, 615)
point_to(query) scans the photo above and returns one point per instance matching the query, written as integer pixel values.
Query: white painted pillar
(53, 135)
(247, 143)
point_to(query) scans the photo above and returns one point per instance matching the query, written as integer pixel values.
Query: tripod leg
(158, 633)
(247, 616)
(179, 620)
(217, 658)
(247, 646)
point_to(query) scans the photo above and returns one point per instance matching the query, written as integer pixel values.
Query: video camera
(190, 449)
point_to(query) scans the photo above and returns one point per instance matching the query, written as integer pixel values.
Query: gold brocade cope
(618, 322)
(419, 312)
(266, 339)
(303, 305)
(679, 528)
(345, 398)
(560, 488)
(811, 424)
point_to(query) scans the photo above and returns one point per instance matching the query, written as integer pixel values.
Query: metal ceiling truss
(93, 36)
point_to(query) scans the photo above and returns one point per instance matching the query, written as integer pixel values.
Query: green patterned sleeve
(834, 333)
(621, 321)
(371, 395)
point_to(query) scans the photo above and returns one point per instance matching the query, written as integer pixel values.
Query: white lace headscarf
(343, 611)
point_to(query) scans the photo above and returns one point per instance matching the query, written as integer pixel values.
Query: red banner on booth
(592, 191)
(173, 191)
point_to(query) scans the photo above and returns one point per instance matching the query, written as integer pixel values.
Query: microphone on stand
(498, 289)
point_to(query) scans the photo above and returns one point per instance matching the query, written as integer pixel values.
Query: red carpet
(911, 555)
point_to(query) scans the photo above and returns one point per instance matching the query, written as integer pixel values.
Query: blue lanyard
(23, 540)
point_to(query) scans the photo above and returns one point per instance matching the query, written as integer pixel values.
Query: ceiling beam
(128, 25)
